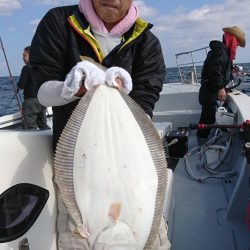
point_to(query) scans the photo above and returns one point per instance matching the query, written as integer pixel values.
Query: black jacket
(63, 36)
(216, 72)
(25, 83)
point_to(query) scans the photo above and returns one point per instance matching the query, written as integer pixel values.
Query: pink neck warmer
(86, 8)
(231, 43)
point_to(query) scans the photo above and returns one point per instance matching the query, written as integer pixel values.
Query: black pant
(207, 117)
(34, 114)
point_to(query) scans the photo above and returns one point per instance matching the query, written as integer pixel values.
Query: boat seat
(163, 128)
(168, 204)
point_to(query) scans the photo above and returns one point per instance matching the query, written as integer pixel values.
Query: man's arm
(48, 55)
(148, 73)
(24, 78)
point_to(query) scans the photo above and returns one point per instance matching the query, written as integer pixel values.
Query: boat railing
(188, 70)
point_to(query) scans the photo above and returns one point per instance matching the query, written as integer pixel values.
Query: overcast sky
(181, 25)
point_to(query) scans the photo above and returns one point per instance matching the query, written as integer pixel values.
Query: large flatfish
(111, 171)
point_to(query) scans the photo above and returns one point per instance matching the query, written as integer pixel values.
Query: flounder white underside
(111, 171)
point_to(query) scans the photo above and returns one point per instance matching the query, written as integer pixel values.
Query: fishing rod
(12, 80)
(206, 126)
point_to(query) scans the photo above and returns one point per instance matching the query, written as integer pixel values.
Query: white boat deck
(201, 209)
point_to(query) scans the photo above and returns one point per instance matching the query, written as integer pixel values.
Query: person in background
(216, 74)
(112, 34)
(33, 112)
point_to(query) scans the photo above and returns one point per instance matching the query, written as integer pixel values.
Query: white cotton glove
(86, 72)
(117, 72)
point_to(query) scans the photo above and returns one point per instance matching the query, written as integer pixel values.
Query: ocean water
(8, 100)
(173, 74)
(10, 105)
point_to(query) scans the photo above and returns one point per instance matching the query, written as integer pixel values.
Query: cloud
(7, 7)
(11, 29)
(35, 22)
(145, 11)
(56, 2)
(2, 65)
(184, 30)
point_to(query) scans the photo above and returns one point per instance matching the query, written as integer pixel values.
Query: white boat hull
(27, 157)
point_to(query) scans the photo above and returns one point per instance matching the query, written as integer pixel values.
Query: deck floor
(200, 209)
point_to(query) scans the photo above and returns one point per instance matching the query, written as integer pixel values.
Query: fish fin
(89, 59)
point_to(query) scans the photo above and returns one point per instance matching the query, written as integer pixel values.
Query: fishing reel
(233, 85)
(237, 68)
